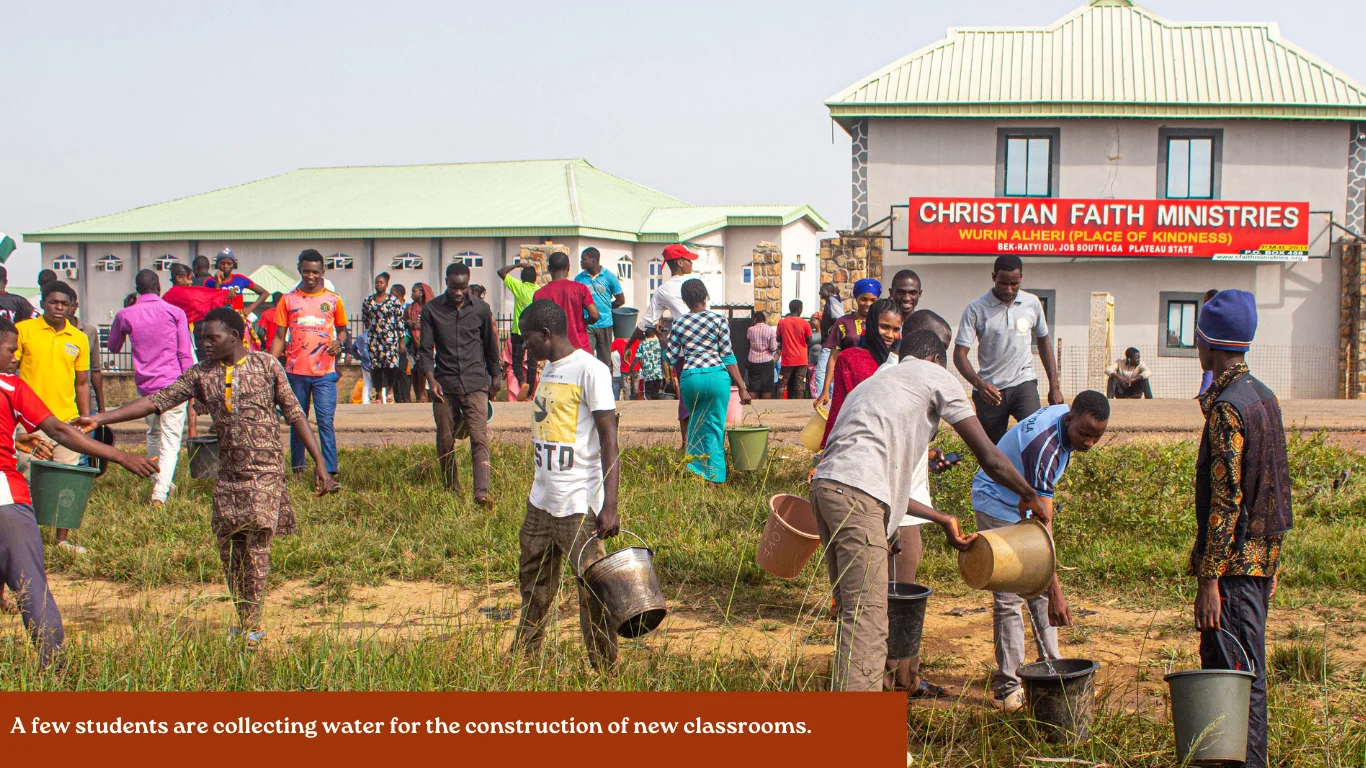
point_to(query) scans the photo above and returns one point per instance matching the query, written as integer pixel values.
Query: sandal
(928, 690)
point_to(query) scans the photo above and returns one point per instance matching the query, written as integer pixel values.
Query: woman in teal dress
(700, 344)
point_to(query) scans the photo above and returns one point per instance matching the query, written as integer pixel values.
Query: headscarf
(871, 339)
(867, 285)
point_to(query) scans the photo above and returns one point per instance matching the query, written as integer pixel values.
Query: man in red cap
(669, 297)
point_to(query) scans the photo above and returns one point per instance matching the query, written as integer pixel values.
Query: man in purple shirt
(161, 353)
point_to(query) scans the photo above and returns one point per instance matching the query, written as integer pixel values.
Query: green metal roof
(1110, 58)
(556, 198)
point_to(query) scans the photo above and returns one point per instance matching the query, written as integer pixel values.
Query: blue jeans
(322, 392)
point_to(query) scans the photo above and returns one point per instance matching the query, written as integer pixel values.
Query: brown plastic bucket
(789, 537)
(1018, 559)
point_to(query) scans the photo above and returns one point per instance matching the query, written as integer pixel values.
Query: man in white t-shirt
(573, 501)
(861, 490)
(907, 546)
(668, 297)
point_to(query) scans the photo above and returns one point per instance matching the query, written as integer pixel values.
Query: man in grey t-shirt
(862, 489)
(1004, 323)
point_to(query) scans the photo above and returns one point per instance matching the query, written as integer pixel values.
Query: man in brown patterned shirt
(1242, 504)
(251, 504)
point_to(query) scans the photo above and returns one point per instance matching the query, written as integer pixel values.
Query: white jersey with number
(565, 437)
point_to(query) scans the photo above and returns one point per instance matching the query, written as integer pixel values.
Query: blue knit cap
(867, 285)
(1228, 321)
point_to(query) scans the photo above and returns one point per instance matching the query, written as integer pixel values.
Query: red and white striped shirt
(18, 405)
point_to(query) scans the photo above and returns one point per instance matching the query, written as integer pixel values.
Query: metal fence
(1292, 371)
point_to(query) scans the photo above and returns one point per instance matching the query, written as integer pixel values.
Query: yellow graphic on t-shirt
(556, 418)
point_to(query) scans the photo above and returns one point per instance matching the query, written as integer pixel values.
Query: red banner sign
(1218, 229)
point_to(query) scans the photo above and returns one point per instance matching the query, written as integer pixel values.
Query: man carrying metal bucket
(1242, 503)
(21, 546)
(861, 489)
(1040, 447)
(573, 501)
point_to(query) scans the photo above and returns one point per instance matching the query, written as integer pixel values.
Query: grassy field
(1124, 530)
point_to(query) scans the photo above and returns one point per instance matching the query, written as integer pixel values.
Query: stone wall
(535, 255)
(768, 280)
(1352, 325)
(847, 259)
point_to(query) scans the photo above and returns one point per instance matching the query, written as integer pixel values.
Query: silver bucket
(626, 585)
(1210, 711)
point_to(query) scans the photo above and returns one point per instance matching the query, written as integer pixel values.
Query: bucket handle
(1251, 666)
(578, 562)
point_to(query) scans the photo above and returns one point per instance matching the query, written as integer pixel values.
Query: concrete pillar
(536, 255)
(1100, 339)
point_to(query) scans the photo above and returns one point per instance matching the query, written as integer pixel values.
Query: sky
(113, 106)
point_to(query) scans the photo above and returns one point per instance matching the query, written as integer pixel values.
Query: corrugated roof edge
(1273, 33)
(789, 214)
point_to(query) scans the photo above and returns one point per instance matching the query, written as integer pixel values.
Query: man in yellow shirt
(54, 360)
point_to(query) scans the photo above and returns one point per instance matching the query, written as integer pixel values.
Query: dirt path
(1132, 644)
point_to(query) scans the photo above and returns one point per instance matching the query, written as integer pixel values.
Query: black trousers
(1244, 601)
(1121, 391)
(1020, 401)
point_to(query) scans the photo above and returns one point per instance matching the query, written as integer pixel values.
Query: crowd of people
(880, 370)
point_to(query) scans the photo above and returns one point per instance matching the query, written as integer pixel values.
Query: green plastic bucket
(60, 493)
(748, 447)
(624, 322)
(1210, 712)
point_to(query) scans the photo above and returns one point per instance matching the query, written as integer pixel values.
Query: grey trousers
(853, 527)
(23, 571)
(1007, 628)
(600, 341)
(546, 541)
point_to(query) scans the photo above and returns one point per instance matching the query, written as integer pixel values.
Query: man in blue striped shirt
(1040, 447)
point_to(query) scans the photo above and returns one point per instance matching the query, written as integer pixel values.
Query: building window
(163, 263)
(656, 274)
(1048, 297)
(406, 261)
(63, 263)
(747, 276)
(1176, 323)
(339, 261)
(1027, 162)
(624, 268)
(109, 263)
(468, 258)
(1189, 163)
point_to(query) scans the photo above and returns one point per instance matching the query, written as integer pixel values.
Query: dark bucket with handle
(1062, 696)
(905, 618)
(627, 586)
(203, 456)
(1210, 712)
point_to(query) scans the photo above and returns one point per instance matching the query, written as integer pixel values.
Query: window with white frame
(1188, 162)
(656, 274)
(624, 267)
(109, 263)
(406, 261)
(468, 258)
(1176, 323)
(62, 263)
(339, 261)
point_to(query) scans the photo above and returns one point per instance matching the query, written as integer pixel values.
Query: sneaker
(74, 549)
(1013, 701)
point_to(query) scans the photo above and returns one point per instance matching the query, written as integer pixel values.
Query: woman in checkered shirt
(700, 344)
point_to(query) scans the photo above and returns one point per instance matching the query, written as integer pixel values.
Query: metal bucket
(203, 456)
(1210, 712)
(1061, 696)
(789, 538)
(626, 584)
(1018, 559)
(905, 618)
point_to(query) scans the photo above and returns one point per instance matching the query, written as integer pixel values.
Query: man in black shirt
(201, 271)
(460, 353)
(14, 307)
